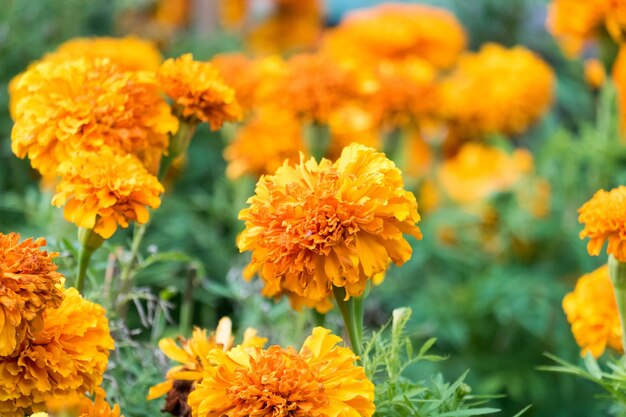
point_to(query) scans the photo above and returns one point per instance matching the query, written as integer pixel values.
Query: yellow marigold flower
(479, 171)
(498, 90)
(396, 32)
(604, 217)
(192, 354)
(573, 22)
(66, 357)
(321, 381)
(314, 86)
(85, 105)
(312, 226)
(28, 285)
(264, 143)
(199, 91)
(102, 191)
(79, 405)
(592, 311)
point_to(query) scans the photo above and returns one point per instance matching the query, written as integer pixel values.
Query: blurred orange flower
(85, 105)
(264, 144)
(497, 90)
(314, 226)
(595, 74)
(604, 218)
(66, 357)
(592, 311)
(28, 285)
(199, 91)
(320, 380)
(79, 405)
(101, 191)
(396, 32)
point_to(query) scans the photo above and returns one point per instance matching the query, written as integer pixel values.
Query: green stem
(319, 318)
(178, 145)
(617, 272)
(318, 140)
(352, 322)
(126, 282)
(89, 242)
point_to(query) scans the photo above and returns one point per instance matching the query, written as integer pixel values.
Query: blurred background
(488, 288)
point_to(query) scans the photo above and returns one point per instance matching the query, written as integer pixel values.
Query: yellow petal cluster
(592, 312)
(314, 226)
(604, 218)
(103, 191)
(396, 32)
(66, 357)
(199, 91)
(28, 285)
(320, 380)
(497, 90)
(86, 105)
(573, 22)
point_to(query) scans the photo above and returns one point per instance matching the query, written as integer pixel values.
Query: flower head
(396, 32)
(199, 91)
(192, 354)
(85, 105)
(312, 226)
(319, 381)
(102, 191)
(28, 285)
(592, 311)
(604, 217)
(66, 357)
(79, 405)
(497, 90)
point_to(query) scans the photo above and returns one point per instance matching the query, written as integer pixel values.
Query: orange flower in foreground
(262, 145)
(319, 381)
(102, 191)
(498, 90)
(85, 105)
(28, 285)
(199, 91)
(313, 226)
(479, 171)
(192, 354)
(66, 357)
(591, 310)
(604, 217)
(396, 32)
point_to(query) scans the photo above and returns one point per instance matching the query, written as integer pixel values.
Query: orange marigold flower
(319, 381)
(66, 357)
(619, 78)
(312, 226)
(102, 191)
(480, 171)
(573, 22)
(199, 91)
(595, 74)
(79, 405)
(264, 143)
(85, 105)
(352, 123)
(604, 217)
(28, 285)
(592, 311)
(396, 32)
(498, 90)
(314, 86)
(192, 354)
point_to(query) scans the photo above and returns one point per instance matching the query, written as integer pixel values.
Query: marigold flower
(85, 105)
(79, 405)
(480, 171)
(353, 123)
(312, 226)
(314, 86)
(396, 32)
(264, 143)
(604, 217)
(28, 285)
(199, 91)
(102, 191)
(595, 74)
(192, 354)
(321, 380)
(592, 311)
(497, 90)
(66, 357)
